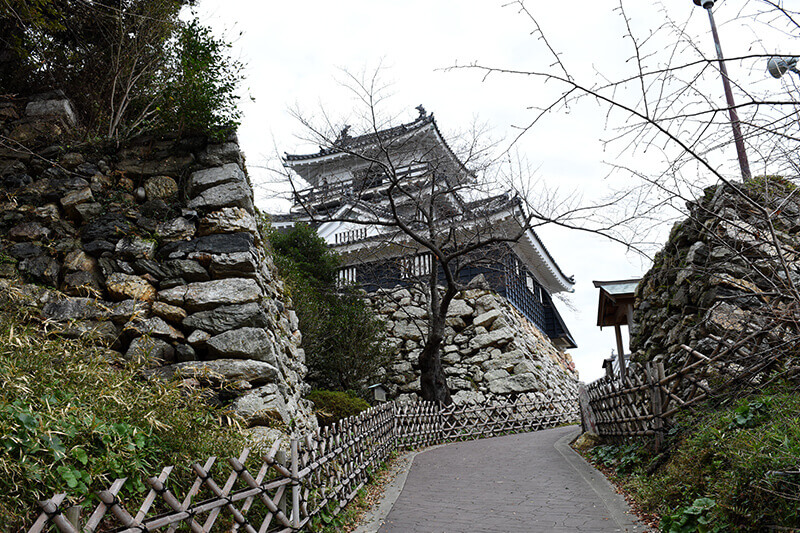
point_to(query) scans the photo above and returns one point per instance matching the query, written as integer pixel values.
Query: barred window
(343, 237)
(416, 265)
(346, 276)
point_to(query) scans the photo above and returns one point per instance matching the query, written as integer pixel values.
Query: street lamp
(777, 66)
(734, 117)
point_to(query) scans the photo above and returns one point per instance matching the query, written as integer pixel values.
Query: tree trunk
(433, 382)
(432, 378)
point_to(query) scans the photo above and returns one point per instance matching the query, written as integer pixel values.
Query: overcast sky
(296, 53)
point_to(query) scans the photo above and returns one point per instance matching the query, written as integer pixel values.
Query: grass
(75, 416)
(728, 467)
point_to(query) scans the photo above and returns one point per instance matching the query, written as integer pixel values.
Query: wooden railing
(321, 473)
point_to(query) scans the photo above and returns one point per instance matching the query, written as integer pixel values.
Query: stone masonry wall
(720, 274)
(154, 249)
(490, 351)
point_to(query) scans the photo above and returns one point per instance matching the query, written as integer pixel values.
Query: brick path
(520, 483)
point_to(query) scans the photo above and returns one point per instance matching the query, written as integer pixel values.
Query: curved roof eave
(533, 248)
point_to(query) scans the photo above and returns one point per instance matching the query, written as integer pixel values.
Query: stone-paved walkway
(528, 483)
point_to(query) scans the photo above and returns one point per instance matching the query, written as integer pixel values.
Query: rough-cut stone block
(198, 337)
(487, 319)
(154, 327)
(61, 108)
(177, 229)
(459, 308)
(185, 269)
(74, 309)
(210, 244)
(148, 348)
(43, 269)
(73, 199)
(262, 406)
(161, 188)
(125, 310)
(78, 261)
(209, 294)
(168, 312)
(221, 371)
(133, 247)
(125, 286)
(28, 231)
(228, 220)
(499, 337)
(236, 194)
(242, 264)
(517, 383)
(203, 180)
(243, 343)
(228, 317)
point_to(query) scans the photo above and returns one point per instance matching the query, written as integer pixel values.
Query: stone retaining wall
(490, 350)
(155, 250)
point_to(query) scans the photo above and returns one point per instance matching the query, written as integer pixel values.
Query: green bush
(73, 419)
(728, 466)
(330, 406)
(342, 338)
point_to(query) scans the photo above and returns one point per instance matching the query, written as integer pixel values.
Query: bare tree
(416, 211)
(669, 106)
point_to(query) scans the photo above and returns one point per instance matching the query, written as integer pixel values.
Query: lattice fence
(645, 402)
(322, 471)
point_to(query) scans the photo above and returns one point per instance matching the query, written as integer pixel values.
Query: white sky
(295, 51)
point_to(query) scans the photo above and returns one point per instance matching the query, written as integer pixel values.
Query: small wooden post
(620, 354)
(295, 486)
(655, 391)
(280, 457)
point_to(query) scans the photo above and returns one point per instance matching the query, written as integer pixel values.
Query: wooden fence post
(295, 486)
(655, 392)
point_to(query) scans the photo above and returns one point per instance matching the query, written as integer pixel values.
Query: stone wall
(490, 351)
(154, 249)
(720, 274)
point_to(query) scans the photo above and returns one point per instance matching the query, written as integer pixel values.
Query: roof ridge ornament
(422, 112)
(344, 135)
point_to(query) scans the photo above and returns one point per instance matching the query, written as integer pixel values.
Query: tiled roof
(346, 143)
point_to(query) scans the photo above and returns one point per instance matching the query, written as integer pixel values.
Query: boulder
(209, 294)
(587, 440)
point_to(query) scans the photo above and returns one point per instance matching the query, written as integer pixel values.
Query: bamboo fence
(644, 403)
(321, 473)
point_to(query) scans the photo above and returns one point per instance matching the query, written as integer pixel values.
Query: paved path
(528, 483)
